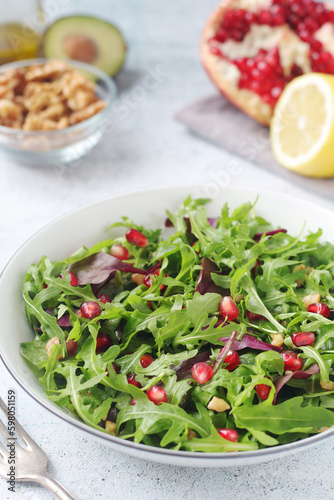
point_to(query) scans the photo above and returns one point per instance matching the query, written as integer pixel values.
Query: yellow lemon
(302, 127)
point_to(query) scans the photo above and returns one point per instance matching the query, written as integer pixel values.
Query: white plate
(87, 226)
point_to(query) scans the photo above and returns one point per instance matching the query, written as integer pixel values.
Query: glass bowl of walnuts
(53, 112)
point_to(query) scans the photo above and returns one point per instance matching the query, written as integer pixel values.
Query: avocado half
(87, 39)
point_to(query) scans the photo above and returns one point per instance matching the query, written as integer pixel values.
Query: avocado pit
(80, 48)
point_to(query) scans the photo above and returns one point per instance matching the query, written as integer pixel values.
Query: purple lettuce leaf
(280, 381)
(205, 283)
(258, 236)
(248, 341)
(99, 268)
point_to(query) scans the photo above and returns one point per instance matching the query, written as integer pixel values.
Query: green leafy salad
(212, 335)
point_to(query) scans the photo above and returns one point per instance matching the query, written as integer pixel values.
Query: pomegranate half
(251, 49)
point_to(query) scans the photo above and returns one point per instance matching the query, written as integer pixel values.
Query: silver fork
(30, 461)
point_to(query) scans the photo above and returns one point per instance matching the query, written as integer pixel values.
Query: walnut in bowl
(51, 111)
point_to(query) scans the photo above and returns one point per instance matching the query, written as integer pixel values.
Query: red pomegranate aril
(261, 82)
(119, 252)
(302, 338)
(201, 372)
(73, 279)
(157, 394)
(255, 317)
(229, 434)
(232, 360)
(215, 51)
(104, 298)
(136, 237)
(263, 391)
(264, 17)
(291, 361)
(319, 308)
(228, 309)
(133, 402)
(148, 278)
(90, 309)
(103, 343)
(71, 347)
(132, 380)
(146, 360)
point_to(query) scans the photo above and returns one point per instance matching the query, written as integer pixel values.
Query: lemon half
(302, 127)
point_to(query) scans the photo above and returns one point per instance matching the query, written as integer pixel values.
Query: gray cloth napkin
(215, 119)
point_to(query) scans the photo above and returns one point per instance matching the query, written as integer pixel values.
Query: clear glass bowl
(57, 147)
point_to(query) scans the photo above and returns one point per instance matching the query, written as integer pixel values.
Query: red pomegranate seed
(319, 308)
(232, 360)
(136, 237)
(265, 17)
(90, 309)
(71, 347)
(157, 394)
(302, 338)
(228, 309)
(146, 360)
(132, 380)
(133, 402)
(73, 279)
(255, 317)
(229, 434)
(262, 74)
(104, 298)
(215, 51)
(148, 278)
(291, 361)
(119, 252)
(103, 343)
(201, 372)
(263, 391)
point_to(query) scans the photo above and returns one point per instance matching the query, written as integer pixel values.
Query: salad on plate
(212, 335)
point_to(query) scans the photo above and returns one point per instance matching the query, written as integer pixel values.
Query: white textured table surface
(148, 148)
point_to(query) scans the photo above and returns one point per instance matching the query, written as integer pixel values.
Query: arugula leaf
(216, 444)
(289, 416)
(149, 417)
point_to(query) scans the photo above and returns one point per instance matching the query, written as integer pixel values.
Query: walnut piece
(50, 344)
(49, 96)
